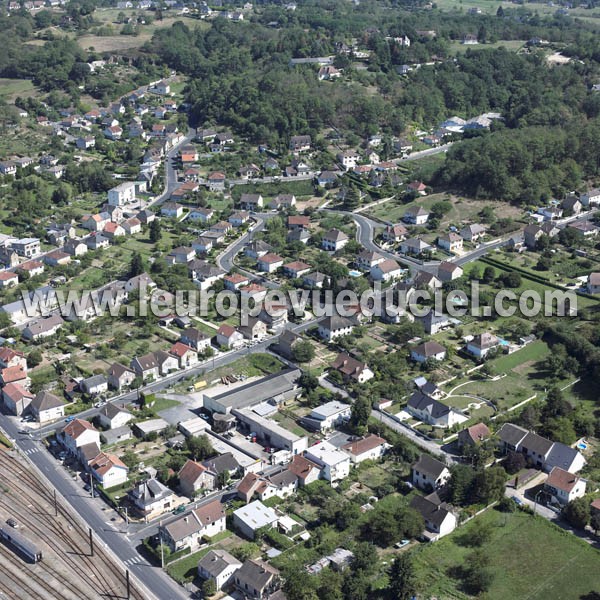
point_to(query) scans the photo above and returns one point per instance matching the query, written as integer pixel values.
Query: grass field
(514, 45)
(11, 88)
(530, 558)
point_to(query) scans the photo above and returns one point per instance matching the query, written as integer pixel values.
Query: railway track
(23, 482)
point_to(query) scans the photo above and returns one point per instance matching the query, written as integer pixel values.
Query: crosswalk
(134, 561)
(31, 451)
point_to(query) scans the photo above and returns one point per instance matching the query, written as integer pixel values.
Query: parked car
(12, 523)
(179, 510)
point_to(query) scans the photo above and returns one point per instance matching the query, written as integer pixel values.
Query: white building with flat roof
(252, 517)
(334, 463)
(124, 193)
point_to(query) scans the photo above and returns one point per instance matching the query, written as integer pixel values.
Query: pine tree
(155, 231)
(402, 578)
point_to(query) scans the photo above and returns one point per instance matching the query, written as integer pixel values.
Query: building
(369, 447)
(195, 338)
(451, 242)
(474, 435)
(448, 271)
(186, 356)
(151, 498)
(334, 240)
(482, 344)
(251, 202)
(16, 398)
(335, 464)
(78, 433)
(8, 279)
(300, 143)
(593, 283)
(414, 246)
(122, 194)
(252, 517)
(432, 411)
(331, 328)
(229, 337)
(564, 486)
(269, 263)
(146, 366)
(394, 233)
(120, 376)
(439, 520)
(428, 351)
(278, 386)
(26, 247)
(109, 470)
(351, 369)
(46, 407)
(94, 385)
(386, 270)
(416, 215)
(429, 474)
(327, 416)
(111, 416)
(189, 530)
(218, 566)
(296, 269)
(42, 328)
(591, 197)
(257, 580)
(474, 232)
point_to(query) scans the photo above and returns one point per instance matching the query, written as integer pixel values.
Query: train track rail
(71, 551)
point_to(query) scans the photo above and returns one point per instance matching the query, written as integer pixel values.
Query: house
(97, 241)
(593, 283)
(203, 245)
(229, 337)
(26, 247)
(109, 470)
(334, 240)
(300, 143)
(16, 398)
(182, 254)
(75, 248)
(416, 215)
(366, 259)
(95, 222)
(386, 270)
(111, 416)
(331, 328)
(269, 263)
(428, 351)
(194, 477)
(298, 235)
(238, 218)
(305, 470)
(113, 230)
(324, 178)
(334, 464)
(348, 159)
(219, 465)
(448, 271)
(171, 209)
(219, 566)
(572, 205)
(57, 258)
(417, 187)
(46, 407)
(235, 281)
(369, 447)
(122, 194)
(16, 374)
(151, 498)
(195, 338)
(96, 384)
(590, 197)
(439, 520)
(256, 329)
(564, 486)
(252, 517)
(120, 376)
(166, 362)
(414, 246)
(394, 233)
(351, 369)
(216, 181)
(315, 280)
(431, 411)
(78, 433)
(298, 222)
(146, 366)
(8, 167)
(257, 580)
(12, 358)
(482, 344)
(31, 268)
(132, 226)
(327, 416)
(473, 435)
(470, 39)
(186, 356)
(282, 484)
(550, 213)
(429, 473)
(282, 201)
(586, 228)
(257, 248)
(8, 279)
(296, 269)
(328, 73)
(473, 232)
(451, 242)
(114, 132)
(42, 328)
(251, 202)
(201, 214)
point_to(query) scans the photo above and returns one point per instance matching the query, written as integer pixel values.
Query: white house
(109, 470)
(328, 416)
(331, 328)
(252, 517)
(416, 215)
(429, 474)
(452, 242)
(335, 464)
(590, 197)
(334, 240)
(593, 283)
(564, 486)
(219, 566)
(229, 336)
(439, 520)
(428, 350)
(113, 417)
(432, 411)
(482, 344)
(370, 447)
(386, 270)
(47, 407)
(78, 433)
(122, 194)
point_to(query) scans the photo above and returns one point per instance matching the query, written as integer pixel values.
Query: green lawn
(11, 88)
(530, 558)
(186, 569)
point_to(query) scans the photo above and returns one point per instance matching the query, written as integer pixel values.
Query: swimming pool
(582, 445)
(354, 273)
(503, 342)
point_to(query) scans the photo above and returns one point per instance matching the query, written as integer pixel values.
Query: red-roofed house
(296, 269)
(12, 358)
(78, 433)
(194, 477)
(269, 263)
(564, 486)
(8, 279)
(13, 375)
(370, 447)
(16, 398)
(352, 369)
(235, 281)
(109, 470)
(186, 355)
(229, 336)
(113, 230)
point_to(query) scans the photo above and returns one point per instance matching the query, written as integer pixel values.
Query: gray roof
(561, 456)
(336, 322)
(421, 401)
(112, 410)
(214, 562)
(221, 463)
(429, 509)
(45, 401)
(511, 434)
(94, 380)
(283, 478)
(150, 491)
(256, 573)
(430, 466)
(536, 443)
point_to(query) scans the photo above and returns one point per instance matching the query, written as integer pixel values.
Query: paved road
(423, 153)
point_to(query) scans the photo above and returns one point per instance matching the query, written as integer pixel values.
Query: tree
(402, 584)
(514, 462)
(199, 447)
(595, 522)
(577, 513)
(489, 485)
(308, 381)
(155, 231)
(209, 588)
(136, 266)
(34, 358)
(303, 351)
(461, 481)
(352, 199)
(360, 413)
(300, 585)
(489, 274)
(131, 460)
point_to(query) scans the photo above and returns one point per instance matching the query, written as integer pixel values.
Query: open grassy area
(11, 88)
(529, 557)
(514, 45)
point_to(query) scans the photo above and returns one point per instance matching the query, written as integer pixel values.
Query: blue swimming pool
(354, 273)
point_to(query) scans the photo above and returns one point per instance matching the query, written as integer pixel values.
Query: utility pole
(162, 554)
(128, 584)
(55, 505)
(91, 541)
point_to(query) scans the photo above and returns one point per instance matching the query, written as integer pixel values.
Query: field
(514, 45)
(11, 88)
(530, 558)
